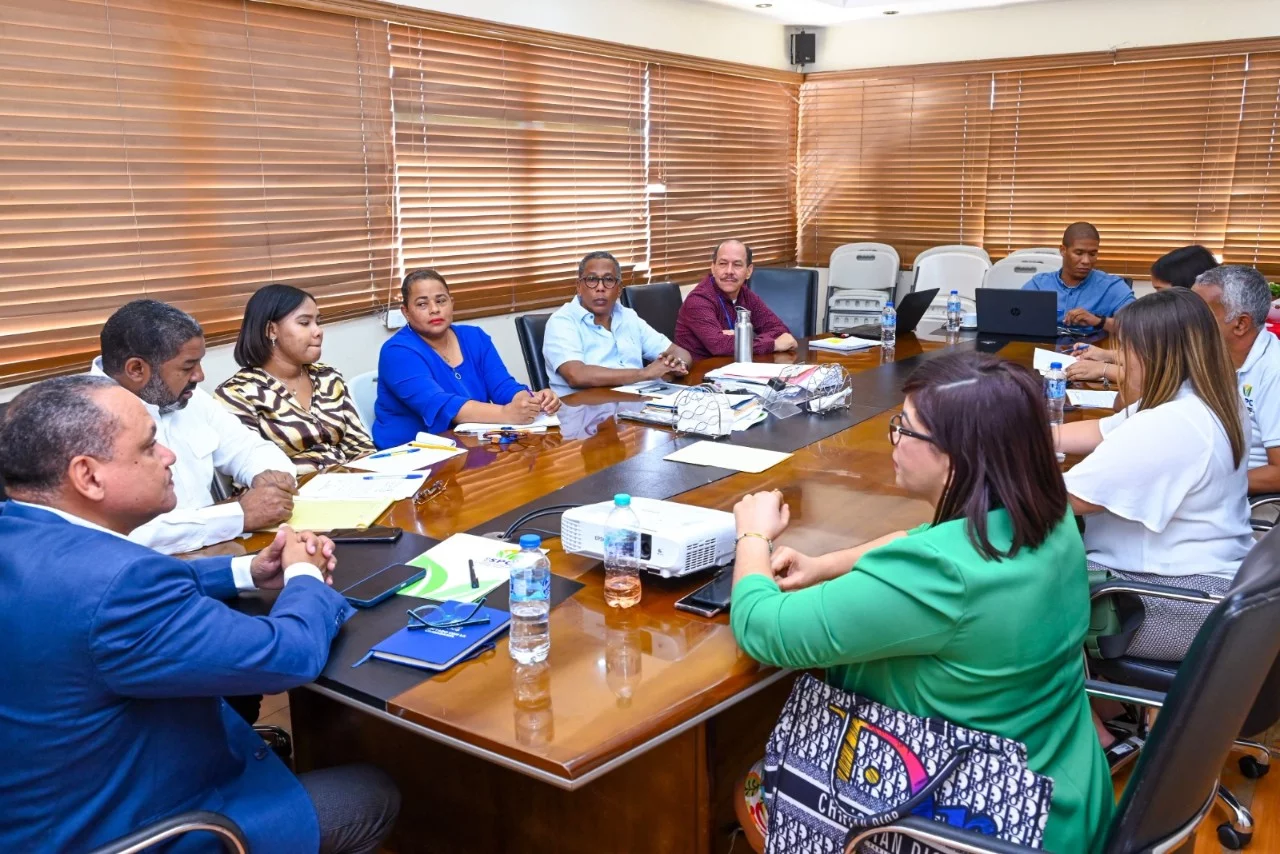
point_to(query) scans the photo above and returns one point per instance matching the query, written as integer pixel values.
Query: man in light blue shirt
(1087, 297)
(1241, 299)
(592, 341)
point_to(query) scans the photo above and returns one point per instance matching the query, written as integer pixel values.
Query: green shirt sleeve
(903, 598)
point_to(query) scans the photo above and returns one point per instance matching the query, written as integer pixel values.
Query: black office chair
(227, 831)
(532, 328)
(792, 294)
(1175, 781)
(3, 496)
(657, 303)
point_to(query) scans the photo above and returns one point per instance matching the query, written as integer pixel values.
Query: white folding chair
(861, 278)
(947, 268)
(1013, 272)
(1040, 250)
(364, 393)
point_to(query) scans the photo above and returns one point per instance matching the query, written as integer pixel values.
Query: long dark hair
(269, 304)
(988, 415)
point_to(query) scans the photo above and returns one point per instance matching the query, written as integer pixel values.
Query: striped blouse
(328, 434)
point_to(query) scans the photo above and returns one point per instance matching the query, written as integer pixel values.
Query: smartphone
(711, 598)
(383, 584)
(381, 534)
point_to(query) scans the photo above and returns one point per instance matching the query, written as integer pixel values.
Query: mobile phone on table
(711, 598)
(383, 584)
(377, 534)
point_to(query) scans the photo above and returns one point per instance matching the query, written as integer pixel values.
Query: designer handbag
(837, 764)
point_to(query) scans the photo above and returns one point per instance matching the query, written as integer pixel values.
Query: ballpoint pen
(430, 447)
(385, 454)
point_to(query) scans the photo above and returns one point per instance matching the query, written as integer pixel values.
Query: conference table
(634, 733)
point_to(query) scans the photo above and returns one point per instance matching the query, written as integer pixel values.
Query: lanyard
(726, 305)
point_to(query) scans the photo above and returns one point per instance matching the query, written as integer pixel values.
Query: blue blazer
(115, 660)
(417, 390)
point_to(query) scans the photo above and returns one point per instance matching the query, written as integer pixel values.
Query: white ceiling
(818, 13)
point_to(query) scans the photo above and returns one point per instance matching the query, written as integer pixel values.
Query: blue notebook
(440, 649)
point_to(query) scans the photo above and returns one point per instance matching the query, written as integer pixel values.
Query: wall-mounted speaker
(804, 48)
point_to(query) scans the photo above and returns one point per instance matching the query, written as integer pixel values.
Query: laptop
(1017, 313)
(910, 310)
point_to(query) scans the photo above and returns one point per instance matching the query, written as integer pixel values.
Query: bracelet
(1106, 382)
(768, 541)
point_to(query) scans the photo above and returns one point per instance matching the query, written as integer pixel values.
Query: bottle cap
(889, 304)
(622, 500)
(530, 541)
(1055, 366)
(954, 291)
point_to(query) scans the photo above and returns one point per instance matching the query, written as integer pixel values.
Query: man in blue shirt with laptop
(1087, 297)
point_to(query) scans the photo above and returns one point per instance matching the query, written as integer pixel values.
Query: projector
(675, 539)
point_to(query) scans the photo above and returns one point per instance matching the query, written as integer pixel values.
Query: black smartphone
(383, 584)
(380, 534)
(711, 598)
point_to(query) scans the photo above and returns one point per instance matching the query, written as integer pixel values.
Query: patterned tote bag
(837, 764)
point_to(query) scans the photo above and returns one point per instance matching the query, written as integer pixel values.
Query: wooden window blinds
(513, 162)
(1158, 152)
(187, 151)
(723, 146)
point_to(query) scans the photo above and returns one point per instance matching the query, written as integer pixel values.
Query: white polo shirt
(1175, 501)
(1259, 382)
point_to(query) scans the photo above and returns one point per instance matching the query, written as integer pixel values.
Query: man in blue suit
(115, 656)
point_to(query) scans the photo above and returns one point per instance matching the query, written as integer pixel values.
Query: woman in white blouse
(1163, 486)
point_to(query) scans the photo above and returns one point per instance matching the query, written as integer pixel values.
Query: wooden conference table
(633, 734)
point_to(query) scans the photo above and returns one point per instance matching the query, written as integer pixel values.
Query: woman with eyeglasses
(978, 616)
(433, 374)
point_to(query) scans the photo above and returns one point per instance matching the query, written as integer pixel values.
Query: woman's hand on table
(762, 513)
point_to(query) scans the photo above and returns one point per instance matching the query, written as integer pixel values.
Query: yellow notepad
(322, 515)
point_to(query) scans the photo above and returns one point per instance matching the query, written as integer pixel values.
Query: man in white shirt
(154, 350)
(1240, 299)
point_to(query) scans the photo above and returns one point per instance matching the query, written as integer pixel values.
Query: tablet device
(378, 534)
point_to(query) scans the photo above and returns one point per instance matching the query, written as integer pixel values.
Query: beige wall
(1062, 26)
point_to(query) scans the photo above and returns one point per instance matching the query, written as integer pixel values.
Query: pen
(411, 476)
(386, 454)
(471, 566)
(430, 447)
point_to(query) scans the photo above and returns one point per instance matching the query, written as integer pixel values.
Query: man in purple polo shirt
(1087, 297)
(704, 326)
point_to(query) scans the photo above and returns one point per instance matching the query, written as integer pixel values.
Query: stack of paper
(843, 345)
(1086, 399)
(759, 373)
(449, 577)
(363, 487)
(540, 425)
(321, 514)
(651, 388)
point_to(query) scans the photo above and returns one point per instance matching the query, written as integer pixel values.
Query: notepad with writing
(440, 649)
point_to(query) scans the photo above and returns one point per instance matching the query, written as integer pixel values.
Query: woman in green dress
(978, 617)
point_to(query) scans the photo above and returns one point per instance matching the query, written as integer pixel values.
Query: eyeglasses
(609, 282)
(447, 615)
(428, 492)
(897, 431)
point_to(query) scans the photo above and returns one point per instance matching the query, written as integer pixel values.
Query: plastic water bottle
(530, 602)
(1055, 396)
(955, 312)
(889, 326)
(622, 554)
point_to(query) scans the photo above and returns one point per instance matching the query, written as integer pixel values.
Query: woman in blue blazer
(433, 375)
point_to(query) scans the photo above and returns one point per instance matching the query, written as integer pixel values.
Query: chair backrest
(364, 394)
(657, 303)
(1177, 771)
(1013, 272)
(949, 268)
(864, 266)
(1040, 250)
(792, 294)
(531, 328)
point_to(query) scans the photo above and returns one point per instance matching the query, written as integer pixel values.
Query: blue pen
(392, 476)
(385, 454)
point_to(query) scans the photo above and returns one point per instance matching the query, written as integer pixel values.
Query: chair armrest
(1124, 693)
(1263, 498)
(1157, 591)
(227, 830)
(936, 833)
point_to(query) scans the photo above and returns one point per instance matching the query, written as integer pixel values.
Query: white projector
(675, 539)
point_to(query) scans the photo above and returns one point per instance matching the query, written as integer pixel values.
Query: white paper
(1044, 358)
(361, 487)
(758, 372)
(726, 455)
(539, 425)
(843, 345)
(1086, 399)
(651, 388)
(403, 459)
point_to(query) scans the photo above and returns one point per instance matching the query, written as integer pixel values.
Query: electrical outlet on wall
(394, 318)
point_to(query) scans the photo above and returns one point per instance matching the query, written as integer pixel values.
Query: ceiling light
(891, 11)
(764, 5)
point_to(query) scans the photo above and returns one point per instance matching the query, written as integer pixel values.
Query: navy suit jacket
(114, 661)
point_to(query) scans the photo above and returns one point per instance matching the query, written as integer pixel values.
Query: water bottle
(888, 326)
(622, 554)
(1055, 395)
(530, 602)
(744, 337)
(955, 312)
